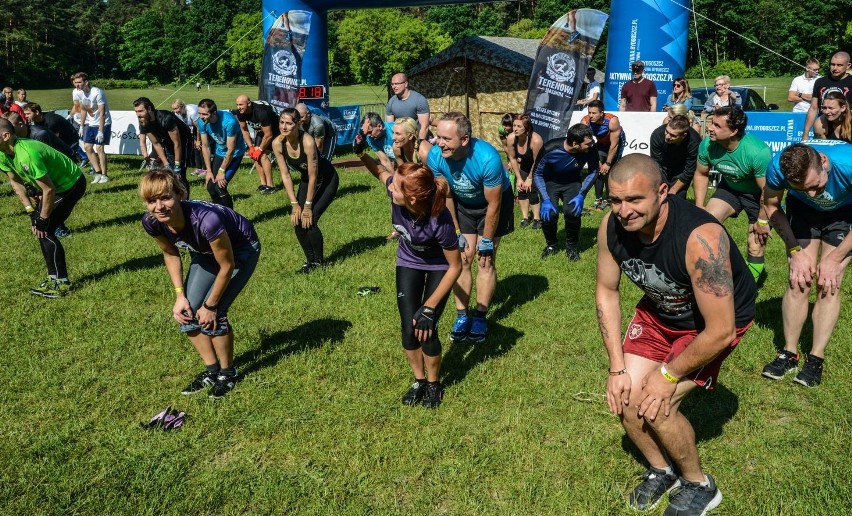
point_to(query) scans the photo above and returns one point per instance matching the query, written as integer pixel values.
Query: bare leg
(794, 304)
(101, 151)
(224, 346)
(486, 281)
(826, 311)
(93, 157)
(536, 210)
(433, 367)
(465, 282)
(204, 346)
(415, 360)
(525, 208)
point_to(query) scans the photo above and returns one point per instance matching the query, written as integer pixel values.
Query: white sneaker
(96, 179)
(103, 179)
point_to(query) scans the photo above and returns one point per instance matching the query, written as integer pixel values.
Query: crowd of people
(452, 201)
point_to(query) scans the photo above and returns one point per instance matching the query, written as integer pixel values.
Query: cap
(637, 66)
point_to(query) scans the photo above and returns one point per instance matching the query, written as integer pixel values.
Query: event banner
(281, 69)
(346, 120)
(560, 66)
(648, 31)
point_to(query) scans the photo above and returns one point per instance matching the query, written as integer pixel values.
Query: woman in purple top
(428, 263)
(224, 250)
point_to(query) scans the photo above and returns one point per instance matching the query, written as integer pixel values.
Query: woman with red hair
(428, 263)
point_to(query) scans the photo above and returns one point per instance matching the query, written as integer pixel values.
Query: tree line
(165, 41)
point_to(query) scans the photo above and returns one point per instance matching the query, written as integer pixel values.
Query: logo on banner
(561, 67)
(284, 63)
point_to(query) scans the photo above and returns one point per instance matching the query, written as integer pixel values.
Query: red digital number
(302, 92)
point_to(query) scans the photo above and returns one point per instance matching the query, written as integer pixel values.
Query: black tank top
(525, 160)
(300, 163)
(659, 269)
(829, 129)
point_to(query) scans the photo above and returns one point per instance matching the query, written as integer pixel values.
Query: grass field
(317, 427)
(776, 91)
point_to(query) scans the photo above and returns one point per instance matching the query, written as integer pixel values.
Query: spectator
(95, 123)
(723, 96)
(640, 94)
(22, 98)
(681, 94)
(802, 87)
(593, 89)
(838, 79)
(836, 121)
(406, 102)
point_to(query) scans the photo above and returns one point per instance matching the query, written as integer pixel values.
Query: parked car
(752, 101)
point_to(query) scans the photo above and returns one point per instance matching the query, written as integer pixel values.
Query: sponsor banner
(648, 31)
(778, 130)
(560, 66)
(284, 46)
(346, 120)
(637, 128)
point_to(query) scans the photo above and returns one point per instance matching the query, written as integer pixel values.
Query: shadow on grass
(512, 292)
(136, 264)
(351, 189)
(588, 237)
(276, 213)
(354, 248)
(766, 315)
(707, 411)
(118, 188)
(282, 344)
(117, 221)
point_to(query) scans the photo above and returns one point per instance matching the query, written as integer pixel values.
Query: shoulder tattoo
(714, 277)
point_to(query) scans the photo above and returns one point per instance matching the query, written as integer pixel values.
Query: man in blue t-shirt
(224, 129)
(558, 175)
(818, 178)
(481, 204)
(378, 136)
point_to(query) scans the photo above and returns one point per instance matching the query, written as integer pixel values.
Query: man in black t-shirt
(261, 118)
(674, 146)
(698, 304)
(58, 125)
(168, 136)
(38, 133)
(838, 79)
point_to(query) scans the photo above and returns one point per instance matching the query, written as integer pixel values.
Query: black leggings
(51, 247)
(531, 195)
(311, 238)
(565, 192)
(413, 288)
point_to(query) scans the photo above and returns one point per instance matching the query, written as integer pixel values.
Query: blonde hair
(408, 124)
(161, 182)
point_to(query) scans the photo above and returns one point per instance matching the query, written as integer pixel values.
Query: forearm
(608, 307)
(220, 284)
(699, 186)
(540, 184)
(588, 182)
(48, 196)
(677, 186)
(445, 286)
(702, 350)
(174, 266)
(205, 153)
(492, 214)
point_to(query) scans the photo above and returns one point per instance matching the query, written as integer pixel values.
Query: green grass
(317, 427)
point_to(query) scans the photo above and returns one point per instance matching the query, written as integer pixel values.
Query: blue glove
(486, 247)
(548, 211)
(462, 242)
(575, 205)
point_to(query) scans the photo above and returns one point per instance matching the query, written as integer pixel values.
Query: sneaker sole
(655, 504)
(806, 384)
(48, 295)
(717, 499)
(476, 339)
(771, 376)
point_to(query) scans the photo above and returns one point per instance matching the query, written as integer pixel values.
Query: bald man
(406, 102)
(838, 79)
(259, 118)
(321, 128)
(698, 304)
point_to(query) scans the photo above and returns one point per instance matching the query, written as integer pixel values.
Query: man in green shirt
(57, 183)
(741, 159)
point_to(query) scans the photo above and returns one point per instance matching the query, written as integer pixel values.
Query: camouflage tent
(483, 77)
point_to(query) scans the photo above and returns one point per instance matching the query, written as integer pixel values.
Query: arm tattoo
(604, 331)
(715, 279)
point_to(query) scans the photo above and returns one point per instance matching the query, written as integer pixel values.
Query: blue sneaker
(460, 328)
(478, 330)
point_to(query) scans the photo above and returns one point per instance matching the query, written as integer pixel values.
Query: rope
(698, 45)
(216, 59)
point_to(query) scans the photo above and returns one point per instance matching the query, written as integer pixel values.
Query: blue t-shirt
(557, 165)
(838, 189)
(205, 222)
(383, 143)
(422, 241)
(468, 177)
(226, 126)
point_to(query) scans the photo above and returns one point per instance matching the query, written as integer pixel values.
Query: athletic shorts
(232, 166)
(808, 223)
(649, 338)
(91, 133)
(472, 220)
(258, 137)
(750, 202)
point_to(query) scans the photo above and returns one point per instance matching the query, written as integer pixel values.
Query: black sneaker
(694, 499)
(536, 224)
(433, 395)
(261, 188)
(784, 363)
(811, 373)
(655, 483)
(524, 223)
(268, 190)
(202, 380)
(572, 253)
(415, 393)
(548, 251)
(306, 268)
(224, 384)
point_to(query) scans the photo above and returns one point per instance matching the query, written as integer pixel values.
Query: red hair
(429, 192)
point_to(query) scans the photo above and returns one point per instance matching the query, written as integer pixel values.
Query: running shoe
(306, 268)
(62, 231)
(655, 483)
(261, 188)
(268, 190)
(598, 205)
(102, 178)
(460, 328)
(52, 288)
(548, 251)
(478, 330)
(96, 178)
(785, 362)
(415, 393)
(223, 385)
(536, 224)
(202, 380)
(524, 223)
(433, 395)
(572, 253)
(694, 499)
(811, 373)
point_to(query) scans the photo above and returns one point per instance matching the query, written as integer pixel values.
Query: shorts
(750, 202)
(649, 338)
(91, 134)
(531, 195)
(472, 220)
(258, 137)
(808, 223)
(232, 166)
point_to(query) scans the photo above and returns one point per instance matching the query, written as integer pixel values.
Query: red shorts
(649, 338)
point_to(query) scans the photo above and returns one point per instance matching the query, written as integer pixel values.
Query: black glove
(424, 319)
(360, 143)
(33, 216)
(41, 223)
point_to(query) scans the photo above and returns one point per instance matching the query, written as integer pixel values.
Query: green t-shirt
(740, 166)
(34, 160)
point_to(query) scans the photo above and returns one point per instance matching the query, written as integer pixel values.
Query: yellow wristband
(29, 209)
(668, 375)
(794, 249)
(222, 171)
(762, 222)
(178, 290)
